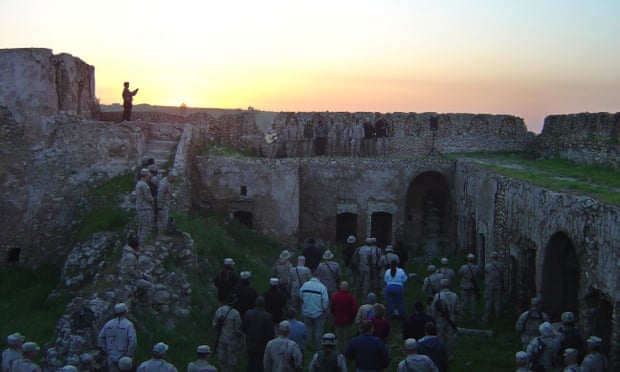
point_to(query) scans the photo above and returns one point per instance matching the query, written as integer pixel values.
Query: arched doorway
(428, 212)
(381, 228)
(243, 217)
(346, 224)
(13, 255)
(560, 276)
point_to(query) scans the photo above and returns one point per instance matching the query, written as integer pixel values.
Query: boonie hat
(245, 275)
(328, 339)
(285, 255)
(160, 348)
(521, 355)
(328, 255)
(125, 363)
(274, 281)
(144, 172)
(411, 344)
(594, 340)
(14, 338)
(30, 346)
(203, 349)
(351, 239)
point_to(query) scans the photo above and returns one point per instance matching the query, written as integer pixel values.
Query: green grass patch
(217, 149)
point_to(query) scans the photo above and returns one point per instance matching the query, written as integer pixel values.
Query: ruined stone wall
(271, 191)
(35, 83)
(527, 211)
(582, 138)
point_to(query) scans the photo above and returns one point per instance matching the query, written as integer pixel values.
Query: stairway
(161, 144)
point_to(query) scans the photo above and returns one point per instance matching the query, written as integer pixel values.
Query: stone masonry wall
(582, 138)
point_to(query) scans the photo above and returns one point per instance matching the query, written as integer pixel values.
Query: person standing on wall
(128, 101)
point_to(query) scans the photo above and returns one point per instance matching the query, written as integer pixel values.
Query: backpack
(537, 353)
(327, 361)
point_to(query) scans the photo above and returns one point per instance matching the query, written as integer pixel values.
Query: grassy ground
(601, 183)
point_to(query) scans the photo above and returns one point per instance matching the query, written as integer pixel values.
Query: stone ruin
(559, 245)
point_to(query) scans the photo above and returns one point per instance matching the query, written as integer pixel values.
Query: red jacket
(344, 307)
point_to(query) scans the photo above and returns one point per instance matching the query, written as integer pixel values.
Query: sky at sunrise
(529, 58)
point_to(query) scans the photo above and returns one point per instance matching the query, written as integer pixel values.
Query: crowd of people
(319, 136)
(274, 328)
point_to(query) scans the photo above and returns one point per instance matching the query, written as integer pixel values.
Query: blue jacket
(369, 353)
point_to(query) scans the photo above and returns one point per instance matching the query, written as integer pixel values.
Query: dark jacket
(413, 327)
(225, 280)
(275, 302)
(313, 256)
(433, 347)
(368, 352)
(246, 297)
(258, 328)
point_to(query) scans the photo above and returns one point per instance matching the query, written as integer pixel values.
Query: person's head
(471, 258)
(172, 176)
(418, 307)
(229, 263)
(125, 363)
(203, 351)
(245, 276)
(284, 328)
(571, 356)
(284, 255)
(344, 286)
(144, 174)
(311, 241)
(153, 169)
(120, 309)
(378, 310)
(69, 368)
(535, 302)
(274, 282)
(260, 302)
(444, 262)
(30, 350)
(594, 343)
(291, 313)
(159, 350)
(366, 327)
(301, 261)
(546, 329)
(328, 341)
(371, 298)
(568, 319)
(521, 359)
(411, 346)
(15, 340)
(351, 239)
(444, 283)
(126, 84)
(431, 269)
(494, 256)
(430, 329)
(328, 255)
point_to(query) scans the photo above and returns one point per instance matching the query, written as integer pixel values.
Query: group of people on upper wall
(327, 137)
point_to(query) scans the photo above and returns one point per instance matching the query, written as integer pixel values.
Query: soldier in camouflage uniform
(529, 321)
(14, 351)
(362, 258)
(570, 336)
(431, 284)
(158, 362)
(30, 351)
(135, 279)
(144, 206)
(542, 350)
(125, 364)
(414, 361)
(469, 288)
(227, 323)
(448, 273)
(164, 199)
(297, 277)
(329, 273)
(376, 280)
(202, 364)
(281, 270)
(494, 283)
(446, 308)
(571, 360)
(281, 353)
(594, 361)
(117, 338)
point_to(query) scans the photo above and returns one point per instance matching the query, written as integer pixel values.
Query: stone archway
(560, 276)
(428, 210)
(346, 224)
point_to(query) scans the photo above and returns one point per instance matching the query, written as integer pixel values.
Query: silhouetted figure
(128, 101)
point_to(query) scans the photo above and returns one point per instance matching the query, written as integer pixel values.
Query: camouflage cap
(389, 248)
(245, 275)
(14, 338)
(328, 339)
(125, 363)
(69, 368)
(144, 172)
(545, 329)
(594, 340)
(160, 348)
(120, 308)
(521, 355)
(444, 261)
(351, 239)
(411, 344)
(570, 352)
(471, 256)
(203, 349)
(284, 326)
(30, 346)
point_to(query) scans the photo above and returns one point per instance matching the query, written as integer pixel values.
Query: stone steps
(160, 147)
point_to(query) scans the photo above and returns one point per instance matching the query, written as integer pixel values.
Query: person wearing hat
(328, 358)
(530, 320)
(88, 362)
(446, 308)
(542, 350)
(69, 368)
(571, 360)
(164, 200)
(13, 352)
(328, 272)
(281, 270)
(595, 361)
(432, 283)
(257, 325)
(117, 337)
(347, 258)
(413, 326)
(226, 280)
(369, 352)
(128, 100)
(297, 277)
(246, 295)
(470, 292)
(365, 312)
(363, 258)
(314, 308)
(202, 363)
(415, 361)
(125, 364)
(154, 182)
(229, 338)
(522, 361)
(343, 307)
(30, 351)
(376, 280)
(447, 272)
(275, 300)
(157, 363)
(570, 337)
(493, 286)
(144, 206)
(282, 354)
